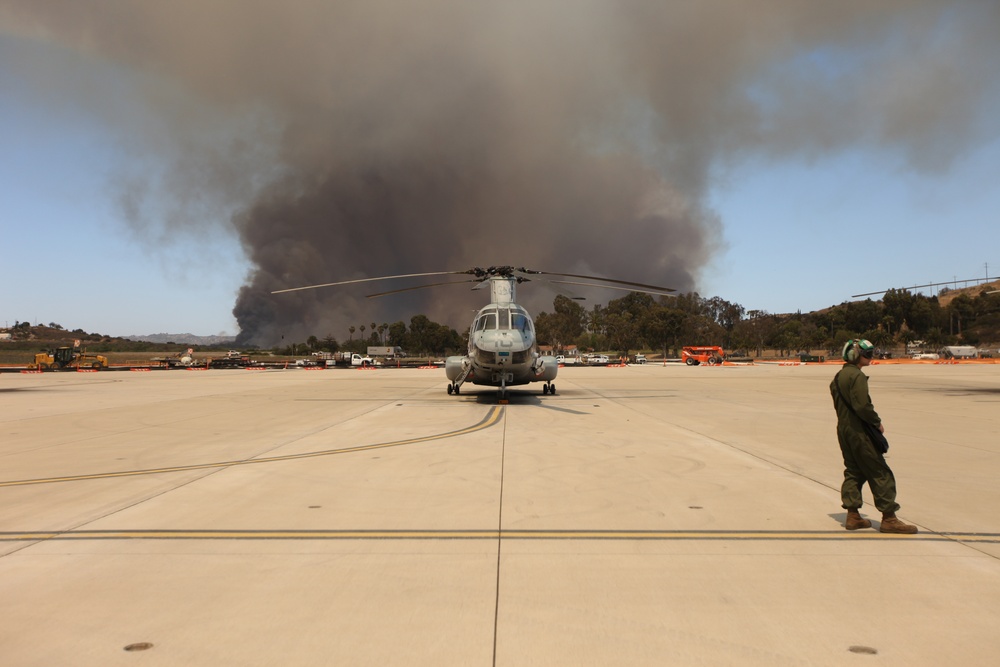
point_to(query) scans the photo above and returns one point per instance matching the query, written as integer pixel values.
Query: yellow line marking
(643, 535)
(492, 417)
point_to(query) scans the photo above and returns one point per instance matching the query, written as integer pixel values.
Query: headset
(856, 348)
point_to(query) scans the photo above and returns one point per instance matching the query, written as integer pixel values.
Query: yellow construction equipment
(67, 357)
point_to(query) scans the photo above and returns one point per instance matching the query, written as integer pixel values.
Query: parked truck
(567, 360)
(349, 359)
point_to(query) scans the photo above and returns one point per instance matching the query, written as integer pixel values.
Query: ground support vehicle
(66, 357)
(349, 359)
(241, 361)
(707, 354)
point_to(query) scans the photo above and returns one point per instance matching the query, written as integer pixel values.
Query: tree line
(640, 322)
(637, 321)
(421, 337)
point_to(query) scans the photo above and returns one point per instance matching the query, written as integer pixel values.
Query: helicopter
(503, 350)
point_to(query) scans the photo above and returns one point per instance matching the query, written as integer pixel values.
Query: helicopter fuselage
(503, 350)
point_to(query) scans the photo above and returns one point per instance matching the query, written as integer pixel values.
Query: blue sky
(803, 225)
(71, 258)
(804, 236)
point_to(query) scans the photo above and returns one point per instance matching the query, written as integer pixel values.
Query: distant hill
(183, 338)
(946, 295)
(25, 334)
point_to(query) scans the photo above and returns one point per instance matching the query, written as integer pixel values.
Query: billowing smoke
(358, 139)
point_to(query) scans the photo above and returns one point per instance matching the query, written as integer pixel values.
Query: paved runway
(644, 515)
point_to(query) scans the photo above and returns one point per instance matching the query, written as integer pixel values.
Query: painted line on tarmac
(491, 418)
(585, 535)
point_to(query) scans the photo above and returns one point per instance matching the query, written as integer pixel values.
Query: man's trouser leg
(863, 464)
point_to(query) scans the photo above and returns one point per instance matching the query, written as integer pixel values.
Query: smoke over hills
(348, 140)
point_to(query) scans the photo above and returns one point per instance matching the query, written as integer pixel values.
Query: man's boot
(890, 524)
(855, 521)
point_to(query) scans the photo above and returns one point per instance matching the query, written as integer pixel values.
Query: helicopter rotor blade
(624, 289)
(368, 280)
(410, 289)
(484, 275)
(655, 288)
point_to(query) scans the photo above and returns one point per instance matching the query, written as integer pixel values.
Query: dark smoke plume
(349, 139)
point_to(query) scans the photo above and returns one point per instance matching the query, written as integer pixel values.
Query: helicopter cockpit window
(504, 319)
(486, 321)
(520, 321)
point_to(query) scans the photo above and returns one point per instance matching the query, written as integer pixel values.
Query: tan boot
(890, 524)
(855, 521)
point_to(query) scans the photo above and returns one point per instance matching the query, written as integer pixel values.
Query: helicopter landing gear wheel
(548, 388)
(453, 389)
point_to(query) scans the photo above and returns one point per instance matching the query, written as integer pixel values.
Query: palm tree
(882, 339)
(351, 329)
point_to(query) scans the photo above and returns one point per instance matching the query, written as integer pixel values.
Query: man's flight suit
(862, 463)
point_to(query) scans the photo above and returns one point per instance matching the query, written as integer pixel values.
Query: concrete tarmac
(647, 515)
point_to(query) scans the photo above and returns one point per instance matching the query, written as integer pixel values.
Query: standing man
(862, 462)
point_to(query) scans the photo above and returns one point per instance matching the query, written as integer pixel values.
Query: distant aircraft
(949, 282)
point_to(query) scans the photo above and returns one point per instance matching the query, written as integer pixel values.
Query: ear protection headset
(856, 348)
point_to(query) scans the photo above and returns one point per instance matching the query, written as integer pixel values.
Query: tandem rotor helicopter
(503, 350)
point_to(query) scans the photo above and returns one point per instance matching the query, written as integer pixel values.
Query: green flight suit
(862, 462)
